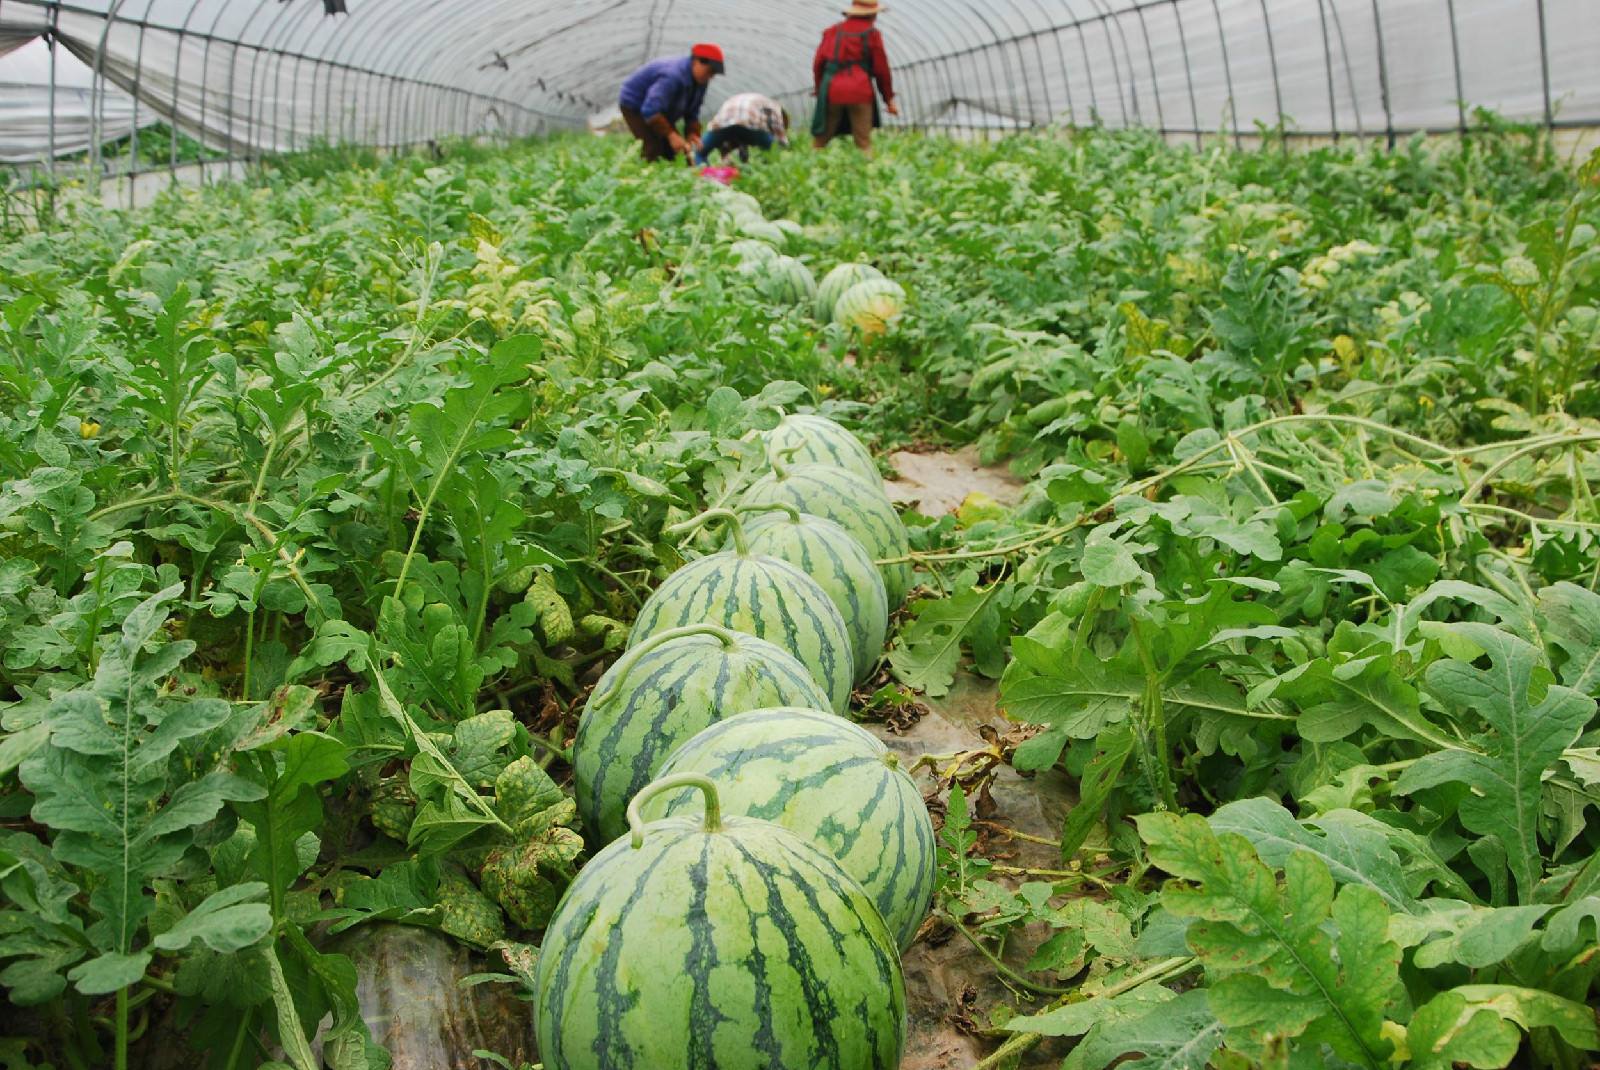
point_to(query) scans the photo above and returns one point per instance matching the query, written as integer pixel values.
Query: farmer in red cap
(848, 61)
(665, 92)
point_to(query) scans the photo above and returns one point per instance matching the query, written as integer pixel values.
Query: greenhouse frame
(249, 77)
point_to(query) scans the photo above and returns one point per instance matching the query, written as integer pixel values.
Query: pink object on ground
(725, 174)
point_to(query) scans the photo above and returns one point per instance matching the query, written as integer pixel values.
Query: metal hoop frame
(435, 74)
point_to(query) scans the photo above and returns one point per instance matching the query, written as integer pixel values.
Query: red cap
(712, 54)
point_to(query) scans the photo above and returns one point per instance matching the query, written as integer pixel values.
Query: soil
(950, 987)
(937, 483)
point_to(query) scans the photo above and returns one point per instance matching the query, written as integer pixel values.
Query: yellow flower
(88, 429)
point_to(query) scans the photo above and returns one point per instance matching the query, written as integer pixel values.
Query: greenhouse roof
(258, 75)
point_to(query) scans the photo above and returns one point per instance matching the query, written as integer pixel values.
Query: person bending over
(665, 92)
(745, 120)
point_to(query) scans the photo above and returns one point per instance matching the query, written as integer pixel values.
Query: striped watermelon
(660, 693)
(759, 229)
(826, 780)
(782, 279)
(761, 596)
(746, 250)
(717, 942)
(737, 202)
(802, 438)
(860, 507)
(870, 307)
(836, 282)
(791, 230)
(830, 555)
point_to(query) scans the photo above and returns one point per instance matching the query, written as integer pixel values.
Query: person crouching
(745, 120)
(664, 92)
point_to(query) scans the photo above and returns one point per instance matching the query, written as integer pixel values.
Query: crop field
(389, 548)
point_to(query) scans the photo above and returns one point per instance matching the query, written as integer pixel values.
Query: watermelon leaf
(1181, 1033)
(927, 652)
(1275, 971)
(1530, 721)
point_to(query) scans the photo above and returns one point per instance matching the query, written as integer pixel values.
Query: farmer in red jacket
(848, 61)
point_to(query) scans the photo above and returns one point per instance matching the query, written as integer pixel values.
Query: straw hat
(862, 8)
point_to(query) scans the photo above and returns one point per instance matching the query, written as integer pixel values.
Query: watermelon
(792, 230)
(759, 229)
(782, 279)
(837, 561)
(860, 507)
(717, 942)
(748, 250)
(738, 203)
(836, 282)
(761, 596)
(870, 307)
(660, 693)
(825, 780)
(802, 438)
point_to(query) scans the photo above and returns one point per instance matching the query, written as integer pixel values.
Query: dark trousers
(731, 138)
(652, 144)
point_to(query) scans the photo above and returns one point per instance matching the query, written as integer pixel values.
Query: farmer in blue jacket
(665, 92)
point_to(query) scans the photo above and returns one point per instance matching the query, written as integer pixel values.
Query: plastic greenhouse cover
(25, 105)
(252, 75)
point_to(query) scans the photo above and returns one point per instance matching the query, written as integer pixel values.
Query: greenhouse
(859, 535)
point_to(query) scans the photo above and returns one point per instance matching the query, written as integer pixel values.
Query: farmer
(848, 62)
(745, 119)
(665, 92)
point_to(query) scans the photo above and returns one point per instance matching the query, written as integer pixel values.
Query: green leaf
(1076, 1019)
(1480, 936)
(1077, 699)
(1572, 625)
(1176, 1034)
(42, 938)
(1566, 931)
(461, 803)
(1353, 854)
(119, 789)
(1111, 562)
(335, 641)
(291, 1034)
(1274, 970)
(1112, 749)
(106, 973)
(1445, 1033)
(1339, 697)
(1530, 722)
(1532, 1009)
(228, 920)
(928, 650)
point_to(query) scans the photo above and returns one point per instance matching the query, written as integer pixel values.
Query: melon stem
(741, 544)
(630, 657)
(774, 507)
(710, 822)
(776, 459)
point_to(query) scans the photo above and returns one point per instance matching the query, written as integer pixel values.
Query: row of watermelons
(767, 859)
(854, 295)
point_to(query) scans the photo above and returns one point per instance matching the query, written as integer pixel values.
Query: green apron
(819, 117)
